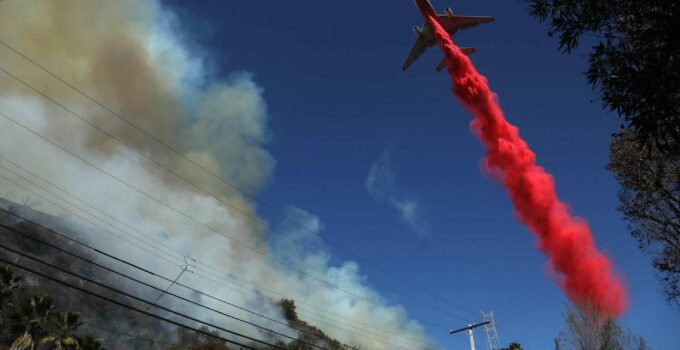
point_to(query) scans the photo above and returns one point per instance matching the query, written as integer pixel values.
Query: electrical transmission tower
(490, 330)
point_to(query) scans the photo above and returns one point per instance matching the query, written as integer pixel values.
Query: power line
(409, 342)
(172, 208)
(148, 272)
(180, 284)
(530, 295)
(91, 262)
(89, 205)
(198, 274)
(189, 217)
(205, 277)
(127, 335)
(76, 214)
(527, 307)
(163, 292)
(137, 267)
(511, 302)
(213, 174)
(83, 290)
(153, 303)
(518, 306)
(199, 222)
(116, 290)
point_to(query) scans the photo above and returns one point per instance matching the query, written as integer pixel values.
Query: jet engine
(417, 30)
(449, 12)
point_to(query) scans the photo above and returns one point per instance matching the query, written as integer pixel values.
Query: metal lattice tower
(490, 330)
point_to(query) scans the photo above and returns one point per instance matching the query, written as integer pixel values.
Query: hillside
(51, 245)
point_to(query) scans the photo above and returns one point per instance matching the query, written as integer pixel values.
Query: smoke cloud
(585, 274)
(130, 55)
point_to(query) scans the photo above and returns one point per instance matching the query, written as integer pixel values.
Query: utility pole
(187, 260)
(469, 329)
(185, 268)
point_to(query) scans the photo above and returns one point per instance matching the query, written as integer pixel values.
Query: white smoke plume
(130, 55)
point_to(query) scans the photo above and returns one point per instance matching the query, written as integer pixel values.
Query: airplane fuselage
(425, 7)
(427, 35)
(448, 21)
(426, 10)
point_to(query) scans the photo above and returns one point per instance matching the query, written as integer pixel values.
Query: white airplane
(451, 24)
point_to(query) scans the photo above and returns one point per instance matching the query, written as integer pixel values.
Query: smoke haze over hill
(131, 56)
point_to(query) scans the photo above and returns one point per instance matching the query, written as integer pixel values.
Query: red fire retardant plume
(585, 275)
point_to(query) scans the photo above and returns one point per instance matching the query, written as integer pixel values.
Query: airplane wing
(418, 48)
(451, 24)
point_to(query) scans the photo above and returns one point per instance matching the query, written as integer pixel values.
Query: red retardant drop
(585, 275)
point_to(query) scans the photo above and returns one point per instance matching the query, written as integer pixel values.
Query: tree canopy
(634, 60)
(650, 201)
(588, 330)
(514, 346)
(33, 322)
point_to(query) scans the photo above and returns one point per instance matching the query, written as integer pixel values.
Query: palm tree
(31, 318)
(8, 283)
(65, 324)
(34, 323)
(514, 346)
(90, 343)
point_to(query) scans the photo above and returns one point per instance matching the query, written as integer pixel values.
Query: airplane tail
(466, 50)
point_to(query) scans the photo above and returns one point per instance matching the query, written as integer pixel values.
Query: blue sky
(339, 106)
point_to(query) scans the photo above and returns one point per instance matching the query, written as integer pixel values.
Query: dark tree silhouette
(635, 59)
(650, 202)
(588, 330)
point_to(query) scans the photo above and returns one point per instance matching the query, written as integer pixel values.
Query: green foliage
(30, 318)
(587, 330)
(308, 335)
(289, 309)
(299, 345)
(635, 59)
(62, 334)
(514, 346)
(34, 323)
(650, 202)
(189, 340)
(8, 283)
(90, 343)
(67, 322)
